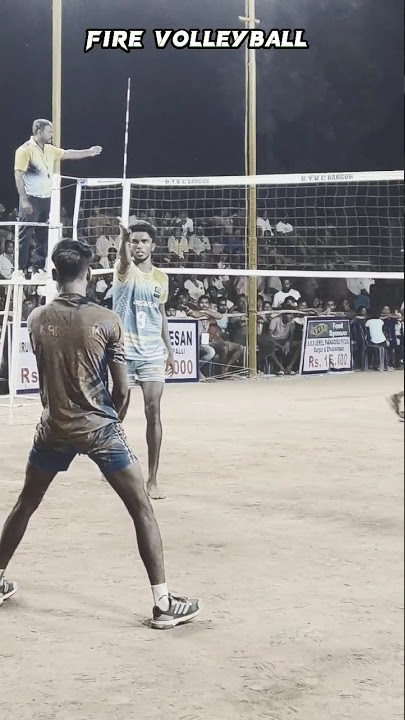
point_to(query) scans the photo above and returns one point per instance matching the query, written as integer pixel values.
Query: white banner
(183, 337)
(326, 345)
(185, 344)
(27, 373)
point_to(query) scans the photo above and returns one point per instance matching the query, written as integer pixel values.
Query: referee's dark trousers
(40, 213)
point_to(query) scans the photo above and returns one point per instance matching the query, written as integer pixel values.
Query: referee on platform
(33, 169)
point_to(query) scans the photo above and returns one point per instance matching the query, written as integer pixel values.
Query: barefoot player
(74, 342)
(395, 402)
(140, 292)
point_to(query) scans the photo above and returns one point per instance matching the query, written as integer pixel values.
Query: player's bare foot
(395, 402)
(153, 491)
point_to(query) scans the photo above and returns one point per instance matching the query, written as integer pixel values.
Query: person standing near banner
(140, 292)
(33, 169)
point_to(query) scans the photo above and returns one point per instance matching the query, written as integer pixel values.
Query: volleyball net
(333, 235)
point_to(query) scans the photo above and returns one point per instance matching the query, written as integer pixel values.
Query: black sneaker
(7, 590)
(181, 610)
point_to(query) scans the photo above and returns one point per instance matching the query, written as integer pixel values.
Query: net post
(57, 73)
(76, 210)
(252, 237)
(53, 235)
(126, 201)
(15, 342)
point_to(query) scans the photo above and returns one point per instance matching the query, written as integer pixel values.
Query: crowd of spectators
(219, 236)
(220, 302)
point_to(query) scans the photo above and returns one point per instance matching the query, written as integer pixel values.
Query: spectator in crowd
(34, 167)
(330, 307)
(287, 291)
(177, 246)
(194, 287)
(103, 245)
(229, 353)
(185, 223)
(199, 246)
(263, 225)
(7, 261)
(205, 315)
(6, 233)
(109, 262)
(278, 344)
(376, 334)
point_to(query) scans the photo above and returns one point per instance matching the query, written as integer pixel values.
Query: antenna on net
(126, 134)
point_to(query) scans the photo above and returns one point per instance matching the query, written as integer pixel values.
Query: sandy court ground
(284, 513)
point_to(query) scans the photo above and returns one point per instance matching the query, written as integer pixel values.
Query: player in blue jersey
(140, 292)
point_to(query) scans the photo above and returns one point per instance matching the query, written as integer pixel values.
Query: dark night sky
(337, 106)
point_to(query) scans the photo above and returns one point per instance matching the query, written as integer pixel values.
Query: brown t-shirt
(73, 339)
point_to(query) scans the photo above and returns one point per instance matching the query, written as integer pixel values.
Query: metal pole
(56, 74)
(126, 134)
(250, 22)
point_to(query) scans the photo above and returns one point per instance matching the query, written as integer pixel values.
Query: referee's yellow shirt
(37, 164)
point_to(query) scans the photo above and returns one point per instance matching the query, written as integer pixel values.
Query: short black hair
(72, 259)
(40, 124)
(203, 297)
(146, 228)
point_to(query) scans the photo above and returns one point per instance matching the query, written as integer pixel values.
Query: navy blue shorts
(108, 447)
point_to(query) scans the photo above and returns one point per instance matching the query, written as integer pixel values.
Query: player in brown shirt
(75, 343)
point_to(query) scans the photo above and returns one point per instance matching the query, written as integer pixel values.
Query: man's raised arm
(124, 252)
(81, 154)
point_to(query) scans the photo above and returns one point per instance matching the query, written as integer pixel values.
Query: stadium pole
(56, 74)
(250, 23)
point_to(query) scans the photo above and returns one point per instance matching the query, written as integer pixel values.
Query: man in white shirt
(195, 288)
(186, 223)
(178, 246)
(199, 244)
(7, 261)
(103, 245)
(287, 291)
(263, 225)
(376, 329)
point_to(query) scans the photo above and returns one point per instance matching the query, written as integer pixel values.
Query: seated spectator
(98, 224)
(391, 328)
(329, 307)
(263, 225)
(194, 287)
(111, 258)
(165, 226)
(302, 306)
(287, 291)
(177, 246)
(236, 246)
(377, 339)
(279, 345)
(7, 261)
(229, 353)
(222, 307)
(104, 243)
(205, 315)
(6, 233)
(344, 307)
(185, 223)
(359, 338)
(375, 326)
(199, 245)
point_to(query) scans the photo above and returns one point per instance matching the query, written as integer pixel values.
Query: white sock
(161, 596)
